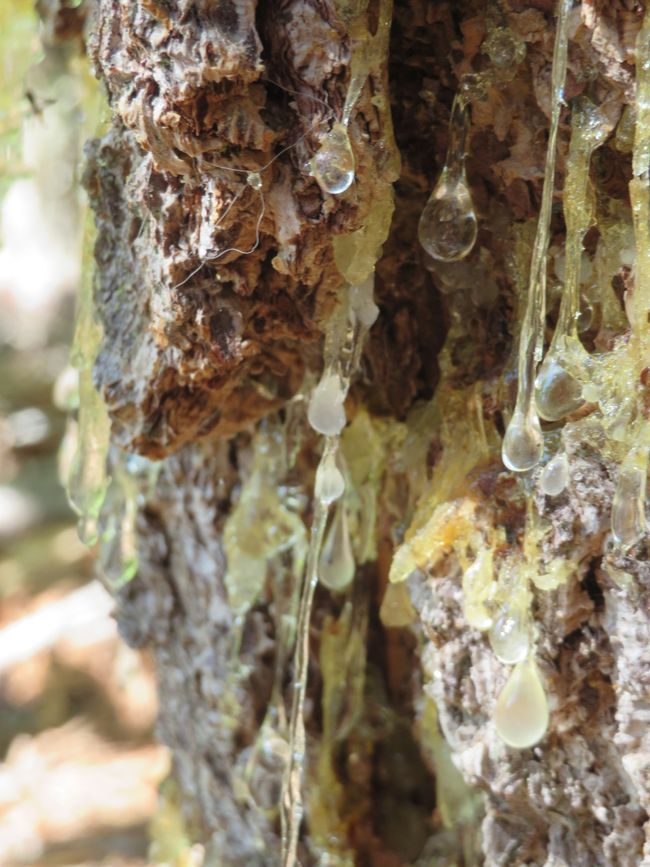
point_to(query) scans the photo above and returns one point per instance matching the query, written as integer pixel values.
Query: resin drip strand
(557, 392)
(447, 228)
(523, 443)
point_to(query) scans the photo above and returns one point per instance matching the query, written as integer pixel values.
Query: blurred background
(79, 771)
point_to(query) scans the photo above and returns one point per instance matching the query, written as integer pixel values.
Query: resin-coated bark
(213, 295)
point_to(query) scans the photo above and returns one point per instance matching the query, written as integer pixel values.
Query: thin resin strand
(557, 392)
(448, 226)
(523, 443)
(342, 351)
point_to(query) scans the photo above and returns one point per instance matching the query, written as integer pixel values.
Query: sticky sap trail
(557, 391)
(522, 445)
(291, 803)
(448, 227)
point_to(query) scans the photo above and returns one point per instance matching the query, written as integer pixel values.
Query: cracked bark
(198, 349)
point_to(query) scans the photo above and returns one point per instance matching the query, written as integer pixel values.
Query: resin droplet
(557, 393)
(523, 443)
(330, 483)
(521, 712)
(333, 163)
(555, 476)
(628, 508)
(362, 302)
(326, 412)
(448, 226)
(510, 635)
(336, 565)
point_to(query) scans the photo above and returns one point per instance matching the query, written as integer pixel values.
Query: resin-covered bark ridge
(221, 261)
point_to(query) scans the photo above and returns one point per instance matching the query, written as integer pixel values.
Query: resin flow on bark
(489, 561)
(557, 393)
(329, 557)
(523, 443)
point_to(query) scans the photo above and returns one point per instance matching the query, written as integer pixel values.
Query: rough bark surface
(202, 341)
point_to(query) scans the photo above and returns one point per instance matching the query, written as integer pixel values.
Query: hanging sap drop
(330, 483)
(336, 564)
(523, 443)
(333, 163)
(557, 393)
(628, 507)
(509, 636)
(326, 413)
(362, 302)
(555, 475)
(448, 225)
(521, 713)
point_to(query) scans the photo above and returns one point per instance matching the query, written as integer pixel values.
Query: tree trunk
(214, 294)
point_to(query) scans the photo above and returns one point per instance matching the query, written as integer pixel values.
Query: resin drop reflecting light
(336, 564)
(448, 226)
(523, 443)
(333, 163)
(628, 507)
(330, 484)
(326, 411)
(521, 713)
(509, 636)
(555, 475)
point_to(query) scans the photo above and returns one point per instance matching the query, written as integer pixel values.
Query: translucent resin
(448, 226)
(333, 163)
(336, 564)
(555, 475)
(521, 714)
(326, 411)
(523, 443)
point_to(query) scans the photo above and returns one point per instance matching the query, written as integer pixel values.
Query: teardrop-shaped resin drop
(362, 302)
(510, 634)
(555, 475)
(326, 413)
(336, 565)
(330, 483)
(333, 163)
(523, 443)
(521, 713)
(557, 393)
(628, 507)
(448, 227)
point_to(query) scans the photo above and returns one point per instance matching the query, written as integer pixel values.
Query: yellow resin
(259, 527)
(522, 446)
(557, 392)
(521, 713)
(343, 668)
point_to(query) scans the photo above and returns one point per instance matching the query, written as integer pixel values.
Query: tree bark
(205, 351)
